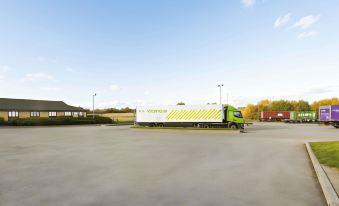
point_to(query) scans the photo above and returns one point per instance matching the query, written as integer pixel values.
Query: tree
(264, 105)
(281, 105)
(250, 111)
(324, 102)
(301, 105)
(181, 103)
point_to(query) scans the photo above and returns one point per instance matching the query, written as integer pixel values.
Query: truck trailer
(329, 115)
(203, 116)
(274, 115)
(302, 116)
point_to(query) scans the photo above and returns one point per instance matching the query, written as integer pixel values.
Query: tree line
(252, 111)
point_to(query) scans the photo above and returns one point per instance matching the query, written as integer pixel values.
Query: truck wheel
(336, 126)
(151, 125)
(206, 126)
(233, 126)
(160, 125)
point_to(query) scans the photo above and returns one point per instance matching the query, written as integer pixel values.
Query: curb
(326, 186)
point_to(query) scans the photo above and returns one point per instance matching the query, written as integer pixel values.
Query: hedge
(2, 121)
(40, 121)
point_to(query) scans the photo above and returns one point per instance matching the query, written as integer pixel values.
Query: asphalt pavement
(106, 165)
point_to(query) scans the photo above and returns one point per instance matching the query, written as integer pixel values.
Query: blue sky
(136, 52)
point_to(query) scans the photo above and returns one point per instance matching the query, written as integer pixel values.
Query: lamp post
(93, 103)
(220, 85)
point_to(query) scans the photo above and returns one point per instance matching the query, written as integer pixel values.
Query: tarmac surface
(106, 165)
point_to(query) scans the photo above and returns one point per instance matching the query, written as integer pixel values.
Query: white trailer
(211, 115)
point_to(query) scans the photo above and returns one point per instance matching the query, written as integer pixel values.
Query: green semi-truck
(203, 116)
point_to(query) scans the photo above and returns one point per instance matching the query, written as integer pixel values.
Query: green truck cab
(234, 117)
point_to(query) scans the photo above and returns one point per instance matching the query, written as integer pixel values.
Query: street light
(93, 103)
(220, 85)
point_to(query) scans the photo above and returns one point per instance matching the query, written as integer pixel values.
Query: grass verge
(119, 117)
(327, 153)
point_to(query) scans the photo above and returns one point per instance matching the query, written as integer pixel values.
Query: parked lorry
(329, 115)
(204, 116)
(302, 116)
(274, 115)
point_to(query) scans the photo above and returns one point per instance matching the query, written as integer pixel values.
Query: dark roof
(35, 105)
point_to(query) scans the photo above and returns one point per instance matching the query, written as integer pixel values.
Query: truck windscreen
(237, 114)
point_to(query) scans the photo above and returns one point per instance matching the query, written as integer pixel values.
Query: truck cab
(234, 117)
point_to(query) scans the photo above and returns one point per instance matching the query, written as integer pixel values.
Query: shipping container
(329, 115)
(274, 115)
(303, 116)
(325, 113)
(335, 113)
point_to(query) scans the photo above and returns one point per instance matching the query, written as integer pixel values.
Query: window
(68, 114)
(52, 114)
(35, 114)
(237, 114)
(75, 114)
(81, 114)
(13, 114)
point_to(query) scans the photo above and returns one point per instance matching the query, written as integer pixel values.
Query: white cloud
(38, 77)
(306, 21)
(248, 3)
(308, 34)
(282, 20)
(114, 88)
(147, 92)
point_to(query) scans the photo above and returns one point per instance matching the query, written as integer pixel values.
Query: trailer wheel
(196, 125)
(206, 126)
(151, 124)
(160, 125)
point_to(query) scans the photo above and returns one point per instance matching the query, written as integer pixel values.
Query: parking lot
(107, 165)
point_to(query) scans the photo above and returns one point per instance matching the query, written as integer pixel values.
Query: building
(25, 108)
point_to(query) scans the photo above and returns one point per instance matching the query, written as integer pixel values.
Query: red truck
(274, 116)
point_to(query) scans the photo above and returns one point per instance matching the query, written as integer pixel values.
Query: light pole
(220, 85)
(93, 103)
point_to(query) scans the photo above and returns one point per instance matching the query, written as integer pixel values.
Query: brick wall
(4, 115)
(24, 114)
(43, 114)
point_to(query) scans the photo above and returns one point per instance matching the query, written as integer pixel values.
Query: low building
(26, 108)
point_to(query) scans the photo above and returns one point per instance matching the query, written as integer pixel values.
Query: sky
(147, 52)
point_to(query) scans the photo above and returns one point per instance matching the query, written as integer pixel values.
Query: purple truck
(330, 115)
